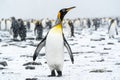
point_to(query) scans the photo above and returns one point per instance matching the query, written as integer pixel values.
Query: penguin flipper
(39, 47)
(69, 50)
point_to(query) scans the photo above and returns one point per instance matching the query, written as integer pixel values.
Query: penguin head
(63, 12)
(112, 21)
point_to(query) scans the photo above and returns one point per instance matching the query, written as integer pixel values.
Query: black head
(112, 21)
(63, 12)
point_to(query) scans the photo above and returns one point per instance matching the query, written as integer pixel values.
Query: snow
(96, 58)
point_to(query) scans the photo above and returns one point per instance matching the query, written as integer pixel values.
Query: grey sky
(50, 8)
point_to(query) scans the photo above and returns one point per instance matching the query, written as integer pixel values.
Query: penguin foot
(59, 73)
(52, 74)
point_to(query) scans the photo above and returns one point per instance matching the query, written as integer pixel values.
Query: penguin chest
(112, 29)
(55, 47)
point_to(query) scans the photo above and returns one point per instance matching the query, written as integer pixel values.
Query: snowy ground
(96, 58)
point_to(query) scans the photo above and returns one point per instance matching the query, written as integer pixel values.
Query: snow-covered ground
(96, 58)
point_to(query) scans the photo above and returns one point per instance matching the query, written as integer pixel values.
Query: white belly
(55, 50)
(112, 30)
(3, 25)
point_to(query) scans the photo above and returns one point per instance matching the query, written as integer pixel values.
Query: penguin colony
(30, 25)
(54, 42)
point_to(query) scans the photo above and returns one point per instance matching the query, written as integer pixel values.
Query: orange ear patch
(58, 15)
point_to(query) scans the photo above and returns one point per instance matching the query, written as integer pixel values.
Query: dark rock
(90, 52)
(100, 60)
(31, 63)
(71, 39)
(117, 64)
(93, 46)
(8, 59)
(30, 38)
(1, 68)
(31, 78)
(76, 52)
(45, 62)
(42, 54)
(95, 39)
(104, 53)
(26, 56)
(100, 71)
(22, 46)
(107, 48)
(74, 44)
(110, 43)
(66, 60)
(4, 45)
(4, 63)
(100, 39)
(30, 67)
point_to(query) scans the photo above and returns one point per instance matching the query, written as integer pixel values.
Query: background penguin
(0, 24)
(14, 28)
(39, 30)
(112, 29)
(8, 24)
(71, 28)
(55, 42)
(3, 24)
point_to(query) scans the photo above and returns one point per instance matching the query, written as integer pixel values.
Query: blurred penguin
(0, 24)
(3, 24)
(14, 28)
(39, 30)
(8, 23)
(22, 30)
(71, 28)
(28, 25)
(49, 24)
(112, 29)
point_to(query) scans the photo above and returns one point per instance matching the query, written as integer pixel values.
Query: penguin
(3, 25)
(54, 43)
(112, 29)
(9, 22)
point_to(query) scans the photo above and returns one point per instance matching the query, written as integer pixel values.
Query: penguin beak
(68, 9)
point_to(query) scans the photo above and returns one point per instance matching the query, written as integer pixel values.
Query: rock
(1, 68)
(4, 45)
(100, 39)
(30, 38)
(107, 48)
(110, 43)
(117, 64)
(93, 46)
(31, 78)
(28, 56)
(100, 71)
(32, 63)
(103, 53)
(30, 67)
(4, 63)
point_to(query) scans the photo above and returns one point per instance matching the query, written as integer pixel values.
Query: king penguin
(112, 29)
(54, 43)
